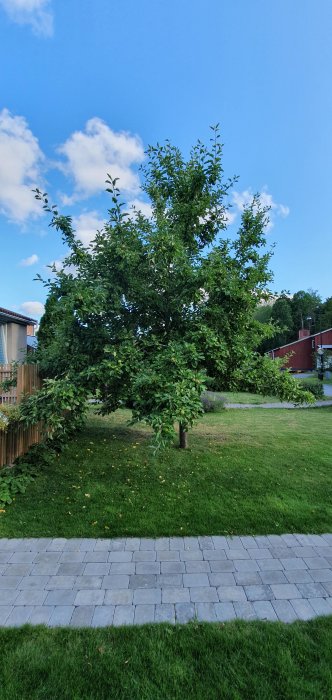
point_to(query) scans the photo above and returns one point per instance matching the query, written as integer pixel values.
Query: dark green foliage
(314, 386)
(212, 402)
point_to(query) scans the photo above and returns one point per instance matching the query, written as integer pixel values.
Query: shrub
(212, 403)
(315, 387)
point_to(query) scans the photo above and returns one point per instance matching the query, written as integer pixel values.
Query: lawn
(246, 472)
(231, 661)
(243, 397)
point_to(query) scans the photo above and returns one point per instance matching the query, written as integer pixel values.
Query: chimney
(30, 329)
(304, 333)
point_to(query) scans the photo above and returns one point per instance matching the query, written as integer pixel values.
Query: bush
(315, 387)
(8, 414)
(212, 403)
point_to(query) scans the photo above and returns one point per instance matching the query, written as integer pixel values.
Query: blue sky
(85, 86)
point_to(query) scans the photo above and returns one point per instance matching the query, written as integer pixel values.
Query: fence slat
(17, 439)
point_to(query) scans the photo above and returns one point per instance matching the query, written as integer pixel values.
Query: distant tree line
(288, 314)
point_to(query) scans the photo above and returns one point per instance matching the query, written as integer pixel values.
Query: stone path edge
(128, 581)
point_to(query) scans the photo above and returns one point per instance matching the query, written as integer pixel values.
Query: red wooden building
(303, 351)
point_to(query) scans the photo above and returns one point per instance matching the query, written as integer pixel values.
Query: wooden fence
(15, 441)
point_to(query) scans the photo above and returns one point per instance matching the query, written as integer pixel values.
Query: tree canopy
(158, 306)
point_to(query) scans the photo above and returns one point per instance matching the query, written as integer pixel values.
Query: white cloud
(36, 13)
(86, 226)
(136, 204)
(35, 309)
(20, 168)
(244, 198)
(32, 260)
(96, 151)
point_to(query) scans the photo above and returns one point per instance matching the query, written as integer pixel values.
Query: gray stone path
(97, 582)
(280, 404)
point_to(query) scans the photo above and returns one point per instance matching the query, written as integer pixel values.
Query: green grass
(244, 397)
(246, 472)
(233, 661)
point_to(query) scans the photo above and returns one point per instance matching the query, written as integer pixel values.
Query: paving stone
(245, 611)
(222, 566)
(214, 554)
(41, 614)
(191, 580)
(321, 606)
(312, 590)
(123, 615)
(34, 582)
(205, 612)
(118, 545)
(60, 597)
(97, 557)
(31, 596)
(116, 581)
(96, 569)
(248, 542)
(205, 543)
(103, 616)
(82, 616)
(303, 609)
(43, 542)
(284, 610)
(148, 567)
(300, 576)
(19, 615)
(234, 541)
(144, 614)
(48, 558)
(23, 558)
(290, 540)
(328, 538)
(5, 611)
(127, 567)
(57, 544)
(87, 544)
(282, 552)
(274, 540)
(231, 593)
(176, 543)
(270, 565)
(246, 565)
(293, 563)
(120, 556)
(262, 592)
(191, 543)
(260, 553)
(8, 596)
(317, 563)
(264, 610)
(184, 612)
(219, 542)
(132, 543)
(285, 591)
(246, 578)
(269, 577)
(61, 615)
(72, 557)
(121, 596)
(147, 543)
(168, 555)
(306, 551)
(224, 611)
(173, 567)
(222, 579)
(43, 570)
(328, 587)
(145, 555)
(323, 551)
(142, 581)
(317, 540)
(73, 544)
(67, 569)
(262, 541)
(165, 613)
(148, 596)
(197, 567)
(102, 545)
(88, 581)
(175, 595)
(193, 554)
(167, 580)
(204, 594)
(89, 597)
(18, 569)
(161, 544)
(237, 553)
(54, 581)
(5, 557)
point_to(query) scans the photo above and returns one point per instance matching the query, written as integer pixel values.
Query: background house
(303, 351)
(17, 336)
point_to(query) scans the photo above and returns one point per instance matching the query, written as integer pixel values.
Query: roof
(299, 340)
(14, 316)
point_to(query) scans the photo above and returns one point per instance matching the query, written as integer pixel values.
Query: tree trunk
(183, 437)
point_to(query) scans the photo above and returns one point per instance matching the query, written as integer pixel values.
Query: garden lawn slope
(246, 472)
